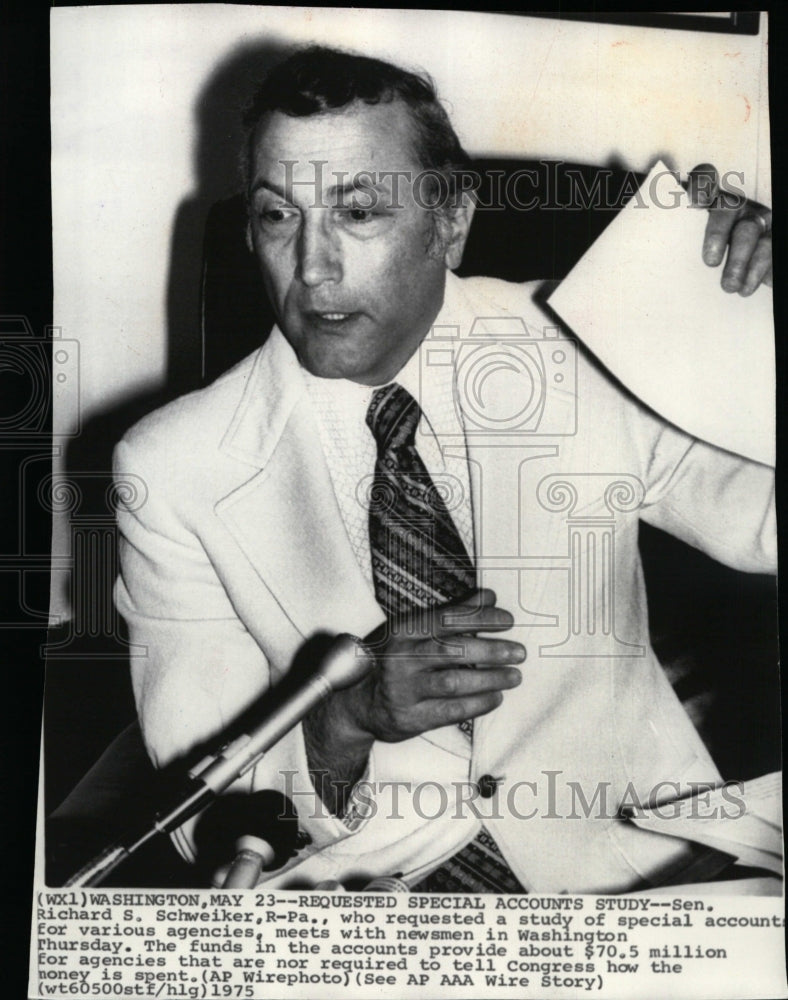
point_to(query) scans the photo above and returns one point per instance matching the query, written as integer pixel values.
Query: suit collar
(273, 388)
(286, 518)
(286, 521)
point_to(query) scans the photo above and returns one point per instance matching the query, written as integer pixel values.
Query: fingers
(745, 235)
(458, 683)
(484, 596)
(471, 707)
(435, 714)
(465, 650)
(461, 652)
(703, 185)
(475, 613)
(432, 670)
(749, 258)
(438, 698)
(736, 227)
(467, 619)
(718, 233)
(742, 245)
(476, 600)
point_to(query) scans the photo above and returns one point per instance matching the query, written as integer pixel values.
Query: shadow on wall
(88, 697)
(219, 137)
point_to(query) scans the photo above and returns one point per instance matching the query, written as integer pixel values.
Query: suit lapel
(286, 518)
(504, 471)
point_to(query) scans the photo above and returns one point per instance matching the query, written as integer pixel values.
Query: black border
(26, 287)
(737, 22)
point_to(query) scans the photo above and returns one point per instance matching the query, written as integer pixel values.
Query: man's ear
(457, 223)
(249, 243)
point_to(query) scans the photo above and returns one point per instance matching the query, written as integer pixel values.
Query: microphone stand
(346, 662)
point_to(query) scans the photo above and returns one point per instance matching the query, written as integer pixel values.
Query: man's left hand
(736, 226)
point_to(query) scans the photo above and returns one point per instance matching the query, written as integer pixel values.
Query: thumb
(703, 184)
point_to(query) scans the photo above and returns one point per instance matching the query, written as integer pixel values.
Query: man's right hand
(430, 669)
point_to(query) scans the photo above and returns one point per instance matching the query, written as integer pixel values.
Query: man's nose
(319, 257)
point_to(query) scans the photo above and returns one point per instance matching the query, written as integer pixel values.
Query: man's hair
(318, 80)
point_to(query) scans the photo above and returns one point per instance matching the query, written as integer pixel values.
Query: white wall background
(134, 98)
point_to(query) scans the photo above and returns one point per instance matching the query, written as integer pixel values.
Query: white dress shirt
(351, 450)
(349, 445)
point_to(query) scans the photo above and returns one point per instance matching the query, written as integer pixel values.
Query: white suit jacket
(238, 554)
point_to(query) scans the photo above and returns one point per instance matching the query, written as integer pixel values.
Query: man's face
(347, 255)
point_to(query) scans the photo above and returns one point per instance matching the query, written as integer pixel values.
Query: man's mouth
(329, 319)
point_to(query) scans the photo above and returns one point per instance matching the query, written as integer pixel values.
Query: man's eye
(276, 215)
(360, 214)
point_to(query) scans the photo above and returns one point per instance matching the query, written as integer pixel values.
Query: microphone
(381, 883)
(258, 831)
(342, 666)
(253, 855)
(387, 883)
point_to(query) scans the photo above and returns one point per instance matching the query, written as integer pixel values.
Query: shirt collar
(431, 384)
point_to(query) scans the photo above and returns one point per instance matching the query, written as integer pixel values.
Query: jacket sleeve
(194, 666)
(712, 499)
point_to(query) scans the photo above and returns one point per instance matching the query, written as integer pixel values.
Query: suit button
(488, 786)
(302, 840)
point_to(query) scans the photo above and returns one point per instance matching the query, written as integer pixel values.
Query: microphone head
(266, 815)
(346, 662)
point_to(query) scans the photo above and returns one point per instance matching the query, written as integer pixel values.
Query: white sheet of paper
(644, 302)
(753, 835)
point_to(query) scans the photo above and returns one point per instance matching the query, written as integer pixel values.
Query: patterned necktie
(419, 560)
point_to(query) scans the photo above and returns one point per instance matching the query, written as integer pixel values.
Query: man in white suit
(254, 538)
